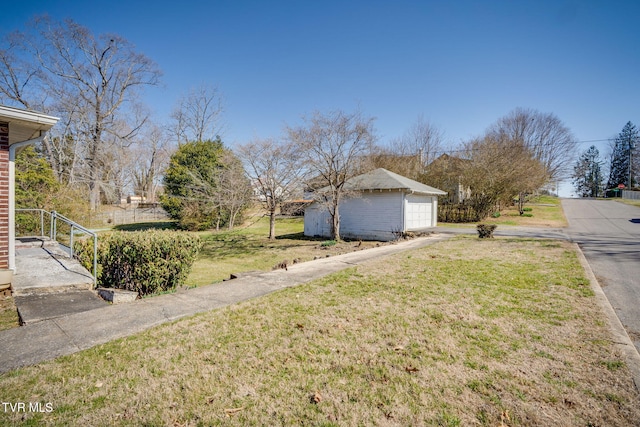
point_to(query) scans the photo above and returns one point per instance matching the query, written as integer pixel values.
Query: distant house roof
(382, 179)
(449, 162)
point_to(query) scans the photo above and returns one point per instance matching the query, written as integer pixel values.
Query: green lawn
(498, 332)
(542, 211)
(248, 248)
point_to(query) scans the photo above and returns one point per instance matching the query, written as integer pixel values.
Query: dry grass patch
(8, 313)
(464, 332)
(627, 201)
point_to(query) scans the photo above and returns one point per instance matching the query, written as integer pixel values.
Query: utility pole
(630, 148)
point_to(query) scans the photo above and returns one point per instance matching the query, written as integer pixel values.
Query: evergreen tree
(191, 165)
(36, 183)
(205, 186)
(587, 173)
(620, 171)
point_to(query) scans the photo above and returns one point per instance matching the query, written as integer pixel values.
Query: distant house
(384, 205)
(449, 170)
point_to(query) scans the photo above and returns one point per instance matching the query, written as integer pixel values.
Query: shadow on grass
(230, 245)
(143, 226)
(299, 236)
(225, 245)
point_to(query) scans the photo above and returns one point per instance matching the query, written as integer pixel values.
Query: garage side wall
(317, 221)
(373, 216)
(4, 196)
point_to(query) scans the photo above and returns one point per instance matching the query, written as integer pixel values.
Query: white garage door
(418, 212)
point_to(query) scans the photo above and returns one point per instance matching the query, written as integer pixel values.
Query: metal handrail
(53, 229)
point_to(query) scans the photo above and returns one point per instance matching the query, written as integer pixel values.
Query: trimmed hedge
(146, 262)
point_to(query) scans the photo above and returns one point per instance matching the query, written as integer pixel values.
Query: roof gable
(382, 179)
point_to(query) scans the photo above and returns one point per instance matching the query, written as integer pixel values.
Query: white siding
(434, 211)
(317, 221)
(374, 215)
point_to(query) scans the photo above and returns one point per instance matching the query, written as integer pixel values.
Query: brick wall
(4, 196)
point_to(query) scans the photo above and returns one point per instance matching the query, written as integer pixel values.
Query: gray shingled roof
(382, 179)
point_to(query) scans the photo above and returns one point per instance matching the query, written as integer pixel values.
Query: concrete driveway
(608, 233)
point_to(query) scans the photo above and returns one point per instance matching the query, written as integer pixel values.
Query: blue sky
(459, 64)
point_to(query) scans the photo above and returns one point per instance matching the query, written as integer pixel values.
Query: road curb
(621, 339)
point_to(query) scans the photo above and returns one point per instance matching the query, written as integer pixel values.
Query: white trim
(12, 198)
(27, 116)
(38, 123)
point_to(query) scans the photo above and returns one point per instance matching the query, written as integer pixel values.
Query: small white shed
(385, 204)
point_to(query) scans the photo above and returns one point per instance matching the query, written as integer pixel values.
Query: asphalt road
(608, 233)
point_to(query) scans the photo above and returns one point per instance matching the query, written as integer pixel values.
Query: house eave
(25, 124)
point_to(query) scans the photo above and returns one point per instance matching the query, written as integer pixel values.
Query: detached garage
(385, 205)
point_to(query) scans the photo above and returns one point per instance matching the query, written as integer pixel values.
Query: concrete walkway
(50, 338)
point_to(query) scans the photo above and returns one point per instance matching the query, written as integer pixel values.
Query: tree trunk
(272, 223)
(335, 224)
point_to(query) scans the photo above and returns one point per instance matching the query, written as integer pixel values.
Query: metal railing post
(95, 260)
(54, 226)
(71, 241)
(53, 235)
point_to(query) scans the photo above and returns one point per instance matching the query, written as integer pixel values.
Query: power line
(596, 140)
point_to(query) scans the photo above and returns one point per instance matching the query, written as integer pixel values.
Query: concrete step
(48, 269)
(37, 307)
(35, 242)
(48, 283)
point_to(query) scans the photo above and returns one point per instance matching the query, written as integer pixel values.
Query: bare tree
(233, 192)
(197, 117)
(20, 81)
(498, 170)
(550, 141)
(116, 166)
(91, 82)
(221, 193)
(334, 144)
(409, 154)
(151, 157)
(276, 170)
(422, 140)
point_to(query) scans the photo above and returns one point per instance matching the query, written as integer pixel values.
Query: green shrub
(496, 215)
(527, 209)
(146, 262)
(327, 243)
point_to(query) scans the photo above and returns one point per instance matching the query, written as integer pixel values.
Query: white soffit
(25, 124)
